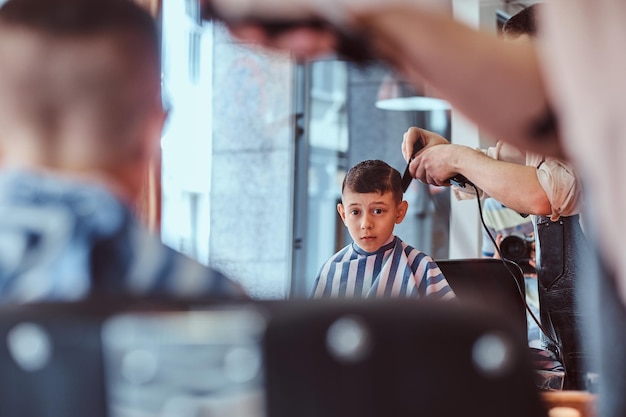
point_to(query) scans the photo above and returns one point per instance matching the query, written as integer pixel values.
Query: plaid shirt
(63, 240)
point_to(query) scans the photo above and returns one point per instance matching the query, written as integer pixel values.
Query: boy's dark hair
(522, 23)
(374, 176)
(81, 17)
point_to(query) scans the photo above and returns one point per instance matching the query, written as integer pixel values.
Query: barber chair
(492, 283)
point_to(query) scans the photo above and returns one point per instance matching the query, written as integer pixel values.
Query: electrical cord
(521, 293)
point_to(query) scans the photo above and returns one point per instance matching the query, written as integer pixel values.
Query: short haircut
(80, 17)
(118, 90)
(522, 23)
(374, 176)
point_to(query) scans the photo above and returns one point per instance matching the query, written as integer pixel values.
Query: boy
(80, 118)
(377, 263)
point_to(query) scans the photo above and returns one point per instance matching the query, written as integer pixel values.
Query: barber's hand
(438, 163)
(336, 11)
(426, 137)
(232, 11)
(308, 29)
(293, 25)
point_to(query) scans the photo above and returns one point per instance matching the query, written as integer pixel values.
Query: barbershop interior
(305, 260)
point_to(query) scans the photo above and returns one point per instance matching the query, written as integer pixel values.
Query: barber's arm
(514, 185)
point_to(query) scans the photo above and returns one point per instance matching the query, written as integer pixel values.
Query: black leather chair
(490, 283)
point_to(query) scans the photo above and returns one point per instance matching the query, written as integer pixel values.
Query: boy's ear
(401, 212)
(341, 211)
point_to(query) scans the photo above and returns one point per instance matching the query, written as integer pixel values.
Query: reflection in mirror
(256, 148)
(344, 126)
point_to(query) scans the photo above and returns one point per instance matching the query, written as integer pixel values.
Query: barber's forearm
(515, 186)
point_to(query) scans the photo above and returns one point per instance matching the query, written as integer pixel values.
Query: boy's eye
(377, 211)
(354, 212)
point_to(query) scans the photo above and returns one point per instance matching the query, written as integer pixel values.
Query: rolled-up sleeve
(558, 180)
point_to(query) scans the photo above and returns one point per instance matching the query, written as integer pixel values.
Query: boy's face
(370, 217)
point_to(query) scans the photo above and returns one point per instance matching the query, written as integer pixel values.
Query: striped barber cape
(395, 270)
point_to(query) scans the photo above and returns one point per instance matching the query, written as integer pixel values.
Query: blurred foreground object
(281, 358)
(397, 358)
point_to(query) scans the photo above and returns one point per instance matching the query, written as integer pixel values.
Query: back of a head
(76, 68)
(522, 23)
(374, 176)
(78, 17)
